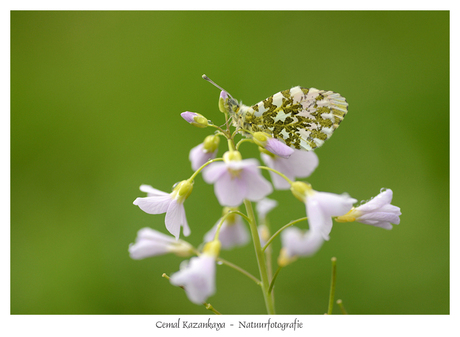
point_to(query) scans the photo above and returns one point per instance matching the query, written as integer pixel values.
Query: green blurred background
(95, 104)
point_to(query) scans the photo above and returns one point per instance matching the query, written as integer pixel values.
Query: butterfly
(302, 118)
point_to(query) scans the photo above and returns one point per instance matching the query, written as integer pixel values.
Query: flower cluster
(237, 183)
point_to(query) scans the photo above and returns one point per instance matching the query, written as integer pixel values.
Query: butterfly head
(226, 102)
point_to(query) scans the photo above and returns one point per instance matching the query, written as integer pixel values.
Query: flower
(299, 165)
(272, 145)
(264, 206)
(300, 242)
(158, 202)
(199, 275)
(235, 180)
(321, 206)
(150, 242)
(203, 152)
(376, 212)
(233, 231)
(195, 119)
(297, 242)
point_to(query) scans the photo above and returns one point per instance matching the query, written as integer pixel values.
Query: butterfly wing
(301, 118)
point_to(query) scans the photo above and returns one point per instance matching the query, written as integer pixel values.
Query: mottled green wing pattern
(301, 118)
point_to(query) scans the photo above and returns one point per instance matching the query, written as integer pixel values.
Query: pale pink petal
(303, 163)
(198, 156)
(197, 278)
(154, 204)
(230, 191)
(301, 243)
(152, 191)
(264, 206)
(317, 219)
(149, 243)
(278, 148)
(175, 219)
(230, 235)
(214, 171)
(257, 186)
(333, 204)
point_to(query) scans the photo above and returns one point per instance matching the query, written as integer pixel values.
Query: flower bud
(195, 119)
(349, 217)
(284, 259)
(183, 189)
(212, 248)
(272, 145)
(211, 143)
(232, 156)
(222, 100)
(300, 190)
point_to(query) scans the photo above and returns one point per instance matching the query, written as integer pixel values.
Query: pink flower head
(199, 275)
(299, 165)
(376, 212)
(235, 180)
(272, 145)
(233, 232)
(298, 242)
(150, 242)
(158, 202)
(204, 152)
(195, 119)
(321, 206)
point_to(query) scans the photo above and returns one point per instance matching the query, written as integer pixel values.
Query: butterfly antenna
(214, 84)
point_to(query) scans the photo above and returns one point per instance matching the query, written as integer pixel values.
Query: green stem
(280, 230)
(241, 270)
(277, 172)
(332, 292)
(260, 259)
(273, 280)
(243, 141)
(203, 166)
(342, 308)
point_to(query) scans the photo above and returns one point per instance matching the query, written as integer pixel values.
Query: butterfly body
(301, 118)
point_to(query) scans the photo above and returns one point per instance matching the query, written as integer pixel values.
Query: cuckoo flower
(150, 242)
(321, 206)
(199, 275)
(376, 212)
(272, 145)
(299, 165)
(158, 202)
(233, 231)
(203, 152)
(236, 179)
